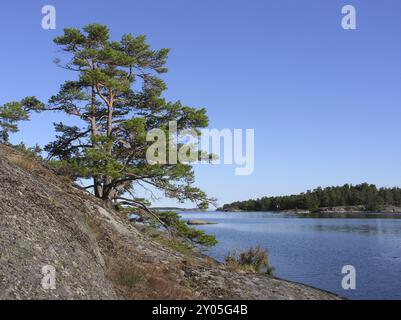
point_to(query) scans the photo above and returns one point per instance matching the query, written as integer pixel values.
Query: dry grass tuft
(127, 276)
(254, 259)
(31, 164)
(24, 162)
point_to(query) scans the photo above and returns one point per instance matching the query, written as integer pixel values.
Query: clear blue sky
(325, 103)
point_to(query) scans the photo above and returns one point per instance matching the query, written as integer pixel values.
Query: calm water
(314, 250)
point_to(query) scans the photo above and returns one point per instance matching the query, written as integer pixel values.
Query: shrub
(254, 259)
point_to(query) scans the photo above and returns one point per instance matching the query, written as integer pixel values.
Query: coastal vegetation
(254, 259)
(367, 197)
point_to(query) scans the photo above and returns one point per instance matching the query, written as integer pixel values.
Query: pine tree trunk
(98, 188)
(108, 203)
(108, 200)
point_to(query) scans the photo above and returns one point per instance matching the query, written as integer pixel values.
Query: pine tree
(118, 96)
(13, 112)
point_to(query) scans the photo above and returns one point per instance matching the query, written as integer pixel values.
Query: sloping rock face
(97, 254)
(43, 225)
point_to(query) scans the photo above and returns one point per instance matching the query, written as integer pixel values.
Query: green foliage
(13, 112)
(175, 244)
(118, 96)
(34, 152)
(366, 195)
(182, 230)
(63, 168)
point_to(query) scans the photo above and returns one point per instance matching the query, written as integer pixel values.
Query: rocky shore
(98, 254)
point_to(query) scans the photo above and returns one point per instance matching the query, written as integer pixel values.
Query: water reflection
(365, 229)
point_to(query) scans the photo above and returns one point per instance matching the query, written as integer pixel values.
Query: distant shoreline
(332, 212)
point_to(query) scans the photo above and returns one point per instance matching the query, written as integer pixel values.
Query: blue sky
(325, 103)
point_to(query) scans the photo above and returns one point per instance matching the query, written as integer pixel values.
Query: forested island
(347, 198)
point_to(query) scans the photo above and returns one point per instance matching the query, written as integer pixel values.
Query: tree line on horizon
(367, 195)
